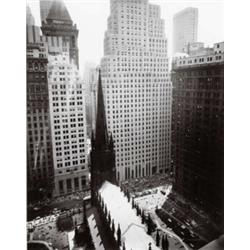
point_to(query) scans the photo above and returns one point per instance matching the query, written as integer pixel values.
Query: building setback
(198, 128)
(39, 149)
(137, 88)
(59, 24)
(185, 29)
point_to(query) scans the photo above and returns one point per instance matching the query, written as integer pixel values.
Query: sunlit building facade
(137, 88)
(68, 125)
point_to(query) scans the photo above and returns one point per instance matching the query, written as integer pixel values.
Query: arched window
(42, 67)
(36, 66)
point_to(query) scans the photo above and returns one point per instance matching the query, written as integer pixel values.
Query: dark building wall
(198, 133)
(39, 149)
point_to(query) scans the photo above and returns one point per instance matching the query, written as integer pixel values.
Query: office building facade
(137, 88)
(66, 101)
(39, 149)
(68, 124)
(198, 127)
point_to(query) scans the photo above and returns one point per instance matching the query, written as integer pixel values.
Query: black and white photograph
(120, 143)
(124, 125)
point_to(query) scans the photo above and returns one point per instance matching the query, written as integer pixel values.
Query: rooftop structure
(45, 6)
(212, 56)
(59, 24)
(58, 13)
(133, 232)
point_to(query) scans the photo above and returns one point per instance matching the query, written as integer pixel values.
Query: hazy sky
(91, 19)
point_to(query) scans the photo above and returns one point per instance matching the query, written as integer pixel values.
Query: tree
(137, 209)
(119, 235)
(149, 246)
(113, 227)
(123, 246)
(149, 227)
(109, 218)
(142, 217)
(163, 244)
(157, 238)
(128, 196)
(105, 211)
(149, 224)
(76, 235)
(156, 209)
(99, 197)
(84, 213)
(166, 243)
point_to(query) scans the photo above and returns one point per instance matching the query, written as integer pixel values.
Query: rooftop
(217, 244)
(58, 11)
(209, 56)
(133, 232)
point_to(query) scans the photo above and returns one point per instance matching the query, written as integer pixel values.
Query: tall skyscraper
(68, 123)
(67, 102)
(44, 9)
(39, 149)
(137, 88)
(30, 20)
(185, 29)
(198, 128)
(59, 24)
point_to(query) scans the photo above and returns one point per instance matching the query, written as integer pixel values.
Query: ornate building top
(59, 12)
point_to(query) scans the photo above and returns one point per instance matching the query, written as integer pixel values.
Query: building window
(69, 187)
(76, 183)
(61, 186)
(83, 181)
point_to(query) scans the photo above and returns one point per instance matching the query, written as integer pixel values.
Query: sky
(91, 19)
